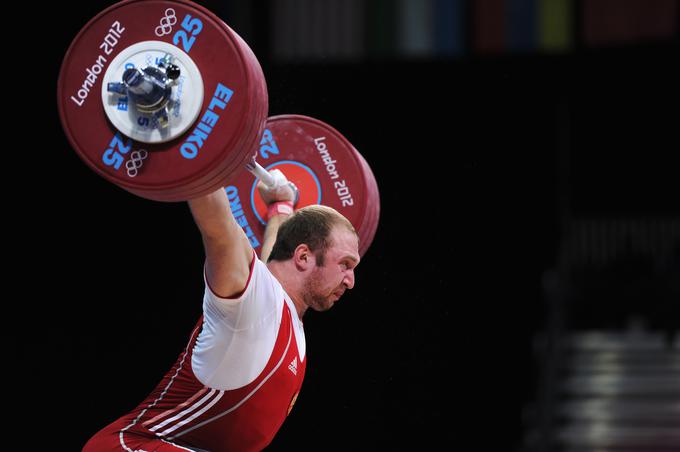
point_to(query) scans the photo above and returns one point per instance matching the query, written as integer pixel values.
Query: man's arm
(283, 192)
(269, 238)
(227, 249)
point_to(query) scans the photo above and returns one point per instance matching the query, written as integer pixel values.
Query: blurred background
(522, 289)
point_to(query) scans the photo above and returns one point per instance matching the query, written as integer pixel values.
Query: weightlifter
(237, 380)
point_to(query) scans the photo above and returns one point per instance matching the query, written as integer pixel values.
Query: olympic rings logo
(165, 28)
(136, 161)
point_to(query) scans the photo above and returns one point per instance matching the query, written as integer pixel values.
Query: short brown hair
(310, 225)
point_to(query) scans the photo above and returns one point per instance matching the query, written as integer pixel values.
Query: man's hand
(282, 191)
(280, 200)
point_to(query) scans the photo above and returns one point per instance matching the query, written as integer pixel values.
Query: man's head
(323, 245)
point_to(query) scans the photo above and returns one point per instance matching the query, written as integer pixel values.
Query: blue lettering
(204, 128)
(191, 27)
(253, 241)
(188, 151)
(232, 192)
(113, 156)
(268, 145)
(210, 118)
(236, 209)
(198, 137)
(122, 103)
(216, 102)
(224, 93)
(242, 221)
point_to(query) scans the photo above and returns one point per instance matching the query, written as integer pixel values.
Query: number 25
(192, 26)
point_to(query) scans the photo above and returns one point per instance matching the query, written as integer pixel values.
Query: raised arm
(227, 249)
(280, 201)
(270, 232)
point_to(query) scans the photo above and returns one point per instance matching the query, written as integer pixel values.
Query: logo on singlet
(293, 366)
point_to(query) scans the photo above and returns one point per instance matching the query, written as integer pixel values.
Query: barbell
(166, 101)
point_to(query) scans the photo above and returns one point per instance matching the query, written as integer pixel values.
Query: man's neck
(290, 282)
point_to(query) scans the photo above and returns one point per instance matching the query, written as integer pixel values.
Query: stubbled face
(326, 284)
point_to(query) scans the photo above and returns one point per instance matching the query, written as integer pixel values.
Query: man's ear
(303, 257)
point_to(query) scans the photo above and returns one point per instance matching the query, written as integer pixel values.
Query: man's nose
(349, 279)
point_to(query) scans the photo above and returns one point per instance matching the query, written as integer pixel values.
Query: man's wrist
(279, 208)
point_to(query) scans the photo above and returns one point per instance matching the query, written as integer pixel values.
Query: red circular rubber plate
(321, 162)
(368, 229)
(226, 129)
(234, 164)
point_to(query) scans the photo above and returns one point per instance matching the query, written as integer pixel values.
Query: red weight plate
(228, 113)
(254, 128)
(248, 143)
(235, 162)
(316, 158)
(370, 214)
(372, 217)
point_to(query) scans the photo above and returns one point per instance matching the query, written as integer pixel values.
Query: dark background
(477, 160)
